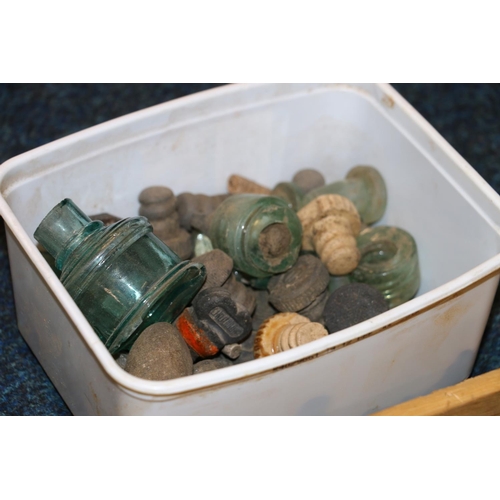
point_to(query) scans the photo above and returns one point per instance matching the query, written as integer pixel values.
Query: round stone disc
(351, 304)
(300, 285)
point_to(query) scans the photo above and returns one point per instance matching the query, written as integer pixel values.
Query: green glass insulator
(291, 193)
(389, 262)
(262, 234)
(122, 277)
(364, 186)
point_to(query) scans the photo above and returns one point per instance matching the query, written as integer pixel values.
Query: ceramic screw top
(389, 262)
(285, 331)
(160, 353)
(364, 186)
(330, 224)
(291, 336)
(122, 277)
(260, 233)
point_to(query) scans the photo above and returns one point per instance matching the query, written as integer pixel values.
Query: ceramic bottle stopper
(308, 179)
(159, 206)
(213, 321)
(291, 193)
(237, 184)
(389, 262)
(218, 266)
(314, 311)
(159, 353)
(294, 192)
(208, 365)
(330, 225)
(364, 186)
(242, 294)
(285, 331)
(231, 351)
(195, 207)
(298, 287)
(351, 304)
(122, 277)
(260, 233)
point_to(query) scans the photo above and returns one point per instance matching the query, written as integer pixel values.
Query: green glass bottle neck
(63, 229)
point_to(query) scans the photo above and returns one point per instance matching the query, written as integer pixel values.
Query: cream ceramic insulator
(264, 340)
(294, 335)
(330, 225)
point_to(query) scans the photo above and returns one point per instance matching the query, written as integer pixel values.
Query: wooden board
(475, 396)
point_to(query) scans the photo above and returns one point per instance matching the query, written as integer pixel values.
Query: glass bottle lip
(256, 222)
(63, 222)
(75, 241)
(399, 242)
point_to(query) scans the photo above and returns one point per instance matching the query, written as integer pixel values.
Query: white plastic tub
(267, 132)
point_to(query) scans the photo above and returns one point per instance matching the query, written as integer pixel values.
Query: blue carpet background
(467, 115)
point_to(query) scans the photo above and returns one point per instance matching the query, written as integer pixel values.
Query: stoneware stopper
(237, 184)
(208, 365)
(308, 179)
(159, 206)
(298, 287)
(218, 266)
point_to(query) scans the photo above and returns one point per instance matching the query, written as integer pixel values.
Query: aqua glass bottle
(364, 186)
(389, 262)
(122, 277)
(262, 234)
